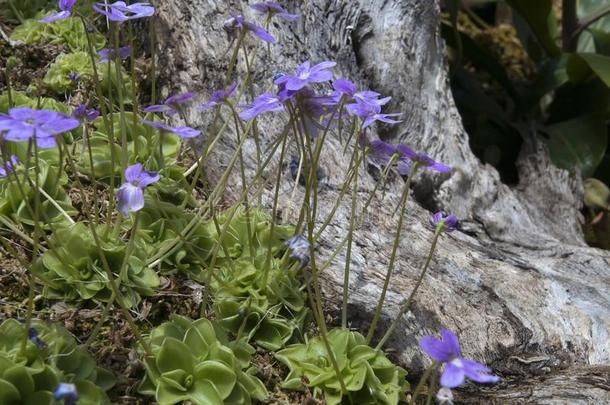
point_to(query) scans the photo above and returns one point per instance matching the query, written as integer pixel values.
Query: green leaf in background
(586, 8)
(601, 40)
(540, 18)
(581, 65)
(579, 142)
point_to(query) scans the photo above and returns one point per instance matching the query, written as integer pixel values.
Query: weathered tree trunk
(516, 282)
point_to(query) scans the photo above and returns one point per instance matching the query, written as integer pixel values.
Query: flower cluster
(120, 12)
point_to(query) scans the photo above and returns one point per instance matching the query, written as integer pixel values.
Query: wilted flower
(83, 113)
(172, 105)
(299, 249)
(34, 338)
(370, 113)
(106, 53)
(23, 124)
(272, 8)
(218, 96)
(448, 222)
(306, 74)
(238, 22)
(380, 151)
(121, 12)
(130, 197)
(444, 396)
(8, 167)
(457, 368)
(182, 132)
(66, 9)
(66, 392)
(422, 159)
(263, 103)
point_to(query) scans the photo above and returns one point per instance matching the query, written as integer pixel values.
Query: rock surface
(516, 281)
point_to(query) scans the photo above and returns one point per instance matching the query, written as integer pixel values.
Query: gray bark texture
(516, 282)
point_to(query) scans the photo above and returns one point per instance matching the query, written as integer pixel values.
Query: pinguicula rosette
(457, 369)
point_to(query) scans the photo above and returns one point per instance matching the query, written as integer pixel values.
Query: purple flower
(218, 96)
(263, 103)
(130, 197)
(306, 74)
(23, 123)
(172, 105)
(346, 87)
(380, 151)
(448, 223)
(9, 166)
(121, 12)
(231, 25)
(272, 8)
(299, 249)
(66, 9)
(67, 392)
(447, 351)
(105, 54)
(83, 113)
(73, 76)
(421, 159)
(370, 113)
(182, 132)
(34, 338)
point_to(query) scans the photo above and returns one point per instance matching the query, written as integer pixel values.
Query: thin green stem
(407, 304)
(402, 206)
(422, 381)
(350, 234)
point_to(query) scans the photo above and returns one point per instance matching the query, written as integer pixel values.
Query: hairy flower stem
(276, 193)
(233, 60)
(119, 78)
(106, 111)
(134, 91)
(317, 308)
(35, 248)
(432, 388)
(350, 233)
(407, 304)
(402, 206)
(98, 326)
(242, 171)
(153, 54)
(118, 297)
(214, 195)
(422, 381)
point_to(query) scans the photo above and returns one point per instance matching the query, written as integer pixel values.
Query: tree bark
(516, 281)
